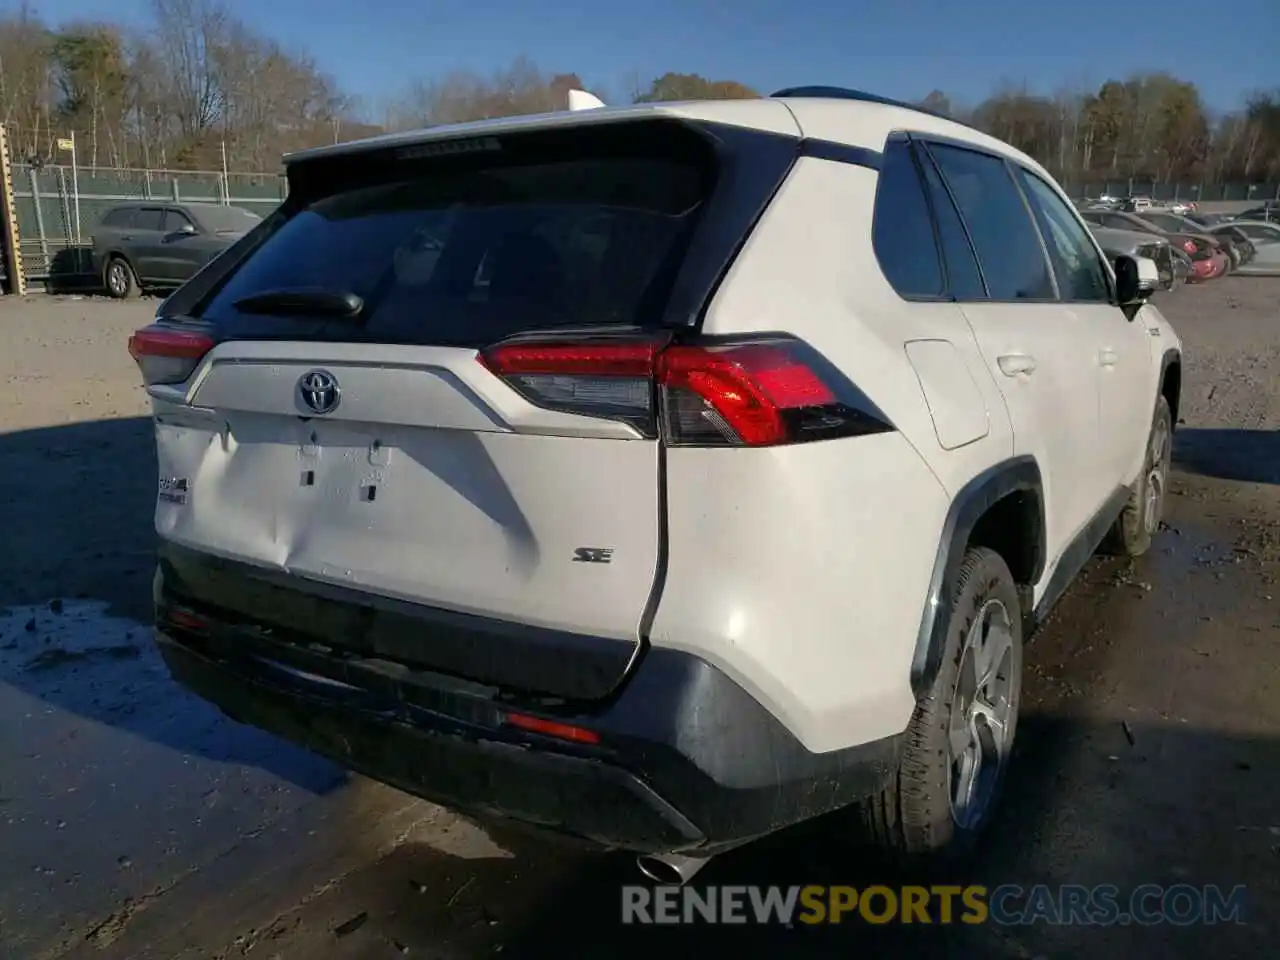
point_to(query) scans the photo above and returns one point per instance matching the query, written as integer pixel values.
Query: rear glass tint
(120, 217)
(466, 257)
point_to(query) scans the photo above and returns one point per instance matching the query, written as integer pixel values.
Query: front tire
(119, 279)
(958, 743)
(1138, 522)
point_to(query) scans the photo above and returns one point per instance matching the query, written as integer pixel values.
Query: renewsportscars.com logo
(1009, 904)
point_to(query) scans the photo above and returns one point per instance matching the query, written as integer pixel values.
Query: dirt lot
(137, 822)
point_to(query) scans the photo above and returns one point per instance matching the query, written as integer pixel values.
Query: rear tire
(119, 279)
(938, 802)
(1137, 524)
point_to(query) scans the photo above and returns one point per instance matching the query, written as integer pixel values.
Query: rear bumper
(686, 759)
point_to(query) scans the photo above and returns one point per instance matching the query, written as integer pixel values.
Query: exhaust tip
(659, 871)
(670, 869)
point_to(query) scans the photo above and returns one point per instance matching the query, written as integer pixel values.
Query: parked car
(1269, 212)
(1208, 260)
(1240, 240)
(1259, 232)
(148, 245)
(1266, 240)
(1157, 249)
(1173, 223)
(624, 544)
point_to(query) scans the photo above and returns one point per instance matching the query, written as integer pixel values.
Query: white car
(708, 478)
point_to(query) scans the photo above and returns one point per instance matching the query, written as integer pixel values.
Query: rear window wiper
(306, 301)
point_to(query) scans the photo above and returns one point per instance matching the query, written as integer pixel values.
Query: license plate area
(342, 465)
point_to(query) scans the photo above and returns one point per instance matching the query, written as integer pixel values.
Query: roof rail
(844, 93)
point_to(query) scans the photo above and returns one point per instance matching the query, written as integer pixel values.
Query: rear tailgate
(379, 452)
(432, 481)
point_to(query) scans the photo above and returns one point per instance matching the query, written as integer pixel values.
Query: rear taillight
(752, 393)
(552, 728)
(611, 380)
(755, 394)
(166, 355)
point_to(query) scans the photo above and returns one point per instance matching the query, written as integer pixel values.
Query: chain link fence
(1199, 192)
(58, 208)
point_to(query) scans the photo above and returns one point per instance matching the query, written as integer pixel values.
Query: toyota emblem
(319, 391)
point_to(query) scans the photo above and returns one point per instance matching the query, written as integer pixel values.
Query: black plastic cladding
(977, 496)
(719, 760)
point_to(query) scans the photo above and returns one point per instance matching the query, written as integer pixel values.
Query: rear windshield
(466, 257)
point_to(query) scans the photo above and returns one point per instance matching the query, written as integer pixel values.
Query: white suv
(661, 475)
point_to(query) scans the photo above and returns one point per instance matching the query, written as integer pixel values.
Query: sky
(896, 48)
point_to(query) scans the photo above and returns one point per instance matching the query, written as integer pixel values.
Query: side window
(1004, 235)
(175, 220)
(901, 228)
(964, 280)
(119, 218)
(1075, 259)
(149, 218)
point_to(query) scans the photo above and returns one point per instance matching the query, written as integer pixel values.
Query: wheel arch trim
(1018, 474)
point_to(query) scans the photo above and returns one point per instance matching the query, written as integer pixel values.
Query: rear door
(1041, 352)
(382, 451)
(144, 244)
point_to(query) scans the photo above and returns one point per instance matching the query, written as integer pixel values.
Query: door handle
(1013, 364)
(1108, 357)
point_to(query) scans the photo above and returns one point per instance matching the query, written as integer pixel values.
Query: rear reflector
(185, 620)
(166, 355)
(552, 728)
(743, 393)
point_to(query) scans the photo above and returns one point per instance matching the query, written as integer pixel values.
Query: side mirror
(188, 229)
(1136, 279)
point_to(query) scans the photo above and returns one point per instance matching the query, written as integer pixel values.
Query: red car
(1210, 267)
(1208, 259)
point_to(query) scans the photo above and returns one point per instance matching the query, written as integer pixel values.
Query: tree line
(198, 82)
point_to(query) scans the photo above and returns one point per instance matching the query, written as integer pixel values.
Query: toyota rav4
(661, 476)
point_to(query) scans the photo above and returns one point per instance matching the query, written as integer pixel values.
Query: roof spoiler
(581, 100)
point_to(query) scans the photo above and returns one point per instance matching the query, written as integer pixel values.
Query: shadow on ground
(1093, 798)
(71, 272)
(1252, 456)
(1085, 806)
(77, 502)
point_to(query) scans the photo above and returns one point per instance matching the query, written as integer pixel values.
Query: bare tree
(26, 93)
(197, 80)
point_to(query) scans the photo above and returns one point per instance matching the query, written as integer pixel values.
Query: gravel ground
(138, 823)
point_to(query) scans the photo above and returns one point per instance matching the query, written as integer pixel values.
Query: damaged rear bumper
(680, 758)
